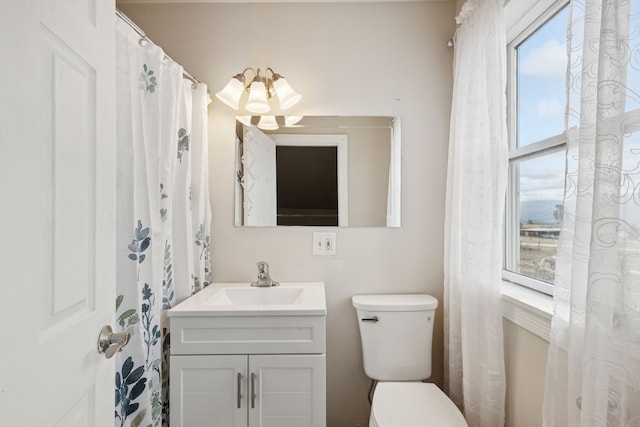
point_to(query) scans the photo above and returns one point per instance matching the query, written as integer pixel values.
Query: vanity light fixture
(269, 122)
(260, 90)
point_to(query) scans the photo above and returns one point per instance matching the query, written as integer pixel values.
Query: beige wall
(525, 363)
(369, 157)
(345, 59)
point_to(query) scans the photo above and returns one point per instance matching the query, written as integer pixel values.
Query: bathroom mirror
(320, 171)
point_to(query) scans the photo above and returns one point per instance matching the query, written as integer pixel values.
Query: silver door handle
(239, 390)
(253, 390)
(110, 342)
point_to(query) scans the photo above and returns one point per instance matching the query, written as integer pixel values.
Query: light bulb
(232, 92)
(268, 123)
(292, 120)
(257, 102)
(245, 120)
(287, 96)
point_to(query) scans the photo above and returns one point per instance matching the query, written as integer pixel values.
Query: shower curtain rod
(142, 34)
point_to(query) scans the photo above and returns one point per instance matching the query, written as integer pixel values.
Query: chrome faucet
(264, 281)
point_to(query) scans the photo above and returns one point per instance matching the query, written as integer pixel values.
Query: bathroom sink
(257, 296)
(241, 299)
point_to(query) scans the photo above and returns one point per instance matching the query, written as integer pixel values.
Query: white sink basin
(257, 296)
(241, 299)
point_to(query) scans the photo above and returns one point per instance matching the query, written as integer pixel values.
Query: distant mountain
(539, 211)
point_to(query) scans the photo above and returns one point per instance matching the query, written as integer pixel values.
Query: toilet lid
(413, 405)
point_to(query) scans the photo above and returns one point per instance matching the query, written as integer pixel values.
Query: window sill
(527, 308)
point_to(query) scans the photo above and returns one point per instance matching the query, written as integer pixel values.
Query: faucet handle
(263, 276)
(263, 267)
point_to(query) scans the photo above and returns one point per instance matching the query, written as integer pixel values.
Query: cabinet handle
(253, 390)
(239, 390)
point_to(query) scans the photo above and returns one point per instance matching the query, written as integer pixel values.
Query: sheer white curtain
(593, 368)
(162, 217)
(476, 183)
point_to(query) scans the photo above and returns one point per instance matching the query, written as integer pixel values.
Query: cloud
(542, 193)
(552, 108)
(551, 188)
(547, 60)
(543, 179)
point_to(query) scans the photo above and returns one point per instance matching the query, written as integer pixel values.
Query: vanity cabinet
(280, 390)
(248, 371)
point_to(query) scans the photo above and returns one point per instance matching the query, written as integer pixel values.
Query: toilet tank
(396, 333)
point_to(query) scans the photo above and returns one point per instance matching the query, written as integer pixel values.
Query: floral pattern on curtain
(593, 368)
(163, 218)
(476, 185)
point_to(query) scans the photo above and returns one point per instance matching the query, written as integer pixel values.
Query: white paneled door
(260, 190)
(57, 211)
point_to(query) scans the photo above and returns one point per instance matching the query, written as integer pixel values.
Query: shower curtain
(163, 217)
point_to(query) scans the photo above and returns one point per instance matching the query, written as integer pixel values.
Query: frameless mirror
(321, 171)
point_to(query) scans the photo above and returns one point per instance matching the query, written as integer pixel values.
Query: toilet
(396, 333)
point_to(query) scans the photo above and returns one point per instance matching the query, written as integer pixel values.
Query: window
(537, 99)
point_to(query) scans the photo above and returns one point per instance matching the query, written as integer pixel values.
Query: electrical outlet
(324, 243)
(329, 243)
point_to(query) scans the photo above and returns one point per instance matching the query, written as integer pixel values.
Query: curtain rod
(142, 34)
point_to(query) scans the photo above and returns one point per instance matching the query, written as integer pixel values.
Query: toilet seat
(410, 404)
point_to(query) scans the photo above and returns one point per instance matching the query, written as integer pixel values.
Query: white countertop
(213, 301)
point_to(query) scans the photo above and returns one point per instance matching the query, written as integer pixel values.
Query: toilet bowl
(396, 333)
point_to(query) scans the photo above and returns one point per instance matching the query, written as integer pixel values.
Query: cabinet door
(209, 391)
(289, 391)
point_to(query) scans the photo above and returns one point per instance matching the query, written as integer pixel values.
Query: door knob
(109, 342)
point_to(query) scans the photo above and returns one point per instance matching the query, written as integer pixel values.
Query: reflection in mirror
(321, 171)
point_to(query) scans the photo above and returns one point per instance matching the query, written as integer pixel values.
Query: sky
(542, 67)
(542, 62)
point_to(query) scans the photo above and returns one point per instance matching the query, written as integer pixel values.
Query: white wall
(345, 59)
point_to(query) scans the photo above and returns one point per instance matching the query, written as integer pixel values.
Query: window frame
(528, 22)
